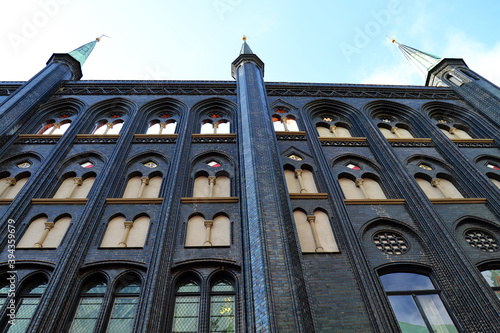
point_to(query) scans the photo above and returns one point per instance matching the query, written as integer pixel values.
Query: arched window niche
(214, 116)
(75, 187)
(187, 297)
(42, 233)
(392, 126)
(416, 302)
(124, 233)
(124, 304)
(212, 176)
(145, 175)
(162, 117)
(315, 232)
(10, 186)
(284, 120)
(208, 233)
(110, 116)
(57, 124)
(300, 180)
(333, 119)
(89, 306)
(490, 166)
(450, 125)
(359, 179)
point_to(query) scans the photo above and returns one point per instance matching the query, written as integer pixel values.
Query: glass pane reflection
(406, 281)
(409, 318)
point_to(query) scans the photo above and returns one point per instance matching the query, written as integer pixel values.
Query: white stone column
(208, 233)
(298, 175)
(48, 227)
(437, 184)
(78, 181)
(394, 130)
(283, 120)
(211, 184)
(312, 222)
(333, 130)
(128, 225)
(144, 183)
(359, 183)
(453, 131)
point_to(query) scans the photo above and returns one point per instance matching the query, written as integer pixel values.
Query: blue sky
(315, 41)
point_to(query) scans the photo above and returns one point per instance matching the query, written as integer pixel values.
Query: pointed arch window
(416, 303)
(123, 233)
(57, 125)
(222, 306)
(215, 125)
(143, 187)
(124, 307)
(27, 304)
(395, 132)
(438, 188)
(112, 125)
(212, 186)
(162, 127)
(300, 180)
(187, 306)
(201, 232)
(89, 306)
(75, 187)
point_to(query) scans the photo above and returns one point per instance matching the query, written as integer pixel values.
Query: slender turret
(21, 105)
(453, 72)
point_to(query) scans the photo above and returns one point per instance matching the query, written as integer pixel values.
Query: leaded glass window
(26, 306)
(124, 308)
(187, 307)
(492, 276)
(416, 304)
(89, 307)
(222, 307)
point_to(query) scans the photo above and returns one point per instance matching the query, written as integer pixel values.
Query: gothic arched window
(222, 306)
(57, 124)
(492, 276)
(124, 307)
(163, 123)
(10, 186)
(283, 121)
(392, 127)
(212, 176)
(27, 304)
(359, 181)
(139, 186)
(451, 127)
(89, 306)
(75, 187)
(215, 122)
(111, 124)
(416, 303)
(187, 306)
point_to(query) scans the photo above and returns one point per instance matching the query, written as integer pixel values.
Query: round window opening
(481, 240)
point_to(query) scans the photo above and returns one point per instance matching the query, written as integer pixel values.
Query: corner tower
(21, 105)
(454, 72)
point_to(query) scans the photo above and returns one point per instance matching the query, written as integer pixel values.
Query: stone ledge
(152, 136)
(308, 195)
(97, 136)
(228, 135)
(409, 139)
(39, 136)
(134, 200)
(59, 201)
(374, 201)
(459, 201)
(209, 200)
(5, 201)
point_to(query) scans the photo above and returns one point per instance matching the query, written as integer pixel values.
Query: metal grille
(390, 243)
(222, 314)
(186, 314)
(122, 317)
(481, 240)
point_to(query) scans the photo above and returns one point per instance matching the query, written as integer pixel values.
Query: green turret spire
(82, 53)
(422, 61)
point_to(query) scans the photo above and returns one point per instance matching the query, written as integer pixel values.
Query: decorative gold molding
(374, 201)
(459, 201)
(291, 133)
(409, 139)
(357, 139)
(209, 200)
(141, 136)
(134, 200)
(472, 140)
(59, 201)
(308, 195)
(39, 136)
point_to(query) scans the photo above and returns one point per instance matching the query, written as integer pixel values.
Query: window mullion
(422, 313)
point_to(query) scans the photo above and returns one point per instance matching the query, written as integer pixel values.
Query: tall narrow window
(143, 187)
(439, 188)
(362, 188)
(75, 187)
(124, 307)
(187, 307)
(222, 307)
(416, 303)
(492, 276)
(10, 186)
(315, 232)
(89, 307)
(45, 234)
(26, 306)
